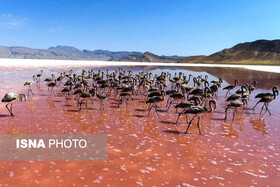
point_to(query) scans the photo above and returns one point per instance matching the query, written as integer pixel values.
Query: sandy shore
(40, 63)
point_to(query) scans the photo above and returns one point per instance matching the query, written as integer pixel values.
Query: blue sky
(181, 27)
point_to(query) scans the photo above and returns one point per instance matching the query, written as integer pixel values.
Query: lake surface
(147, 151)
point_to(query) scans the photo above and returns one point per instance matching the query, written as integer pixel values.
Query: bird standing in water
(234, 105)
(153, 101)
(85, 96)
(29, 84)
(230, 87)
(197, 110)
(11, 98)
(52, 85)
(266, 98)
(39, 75)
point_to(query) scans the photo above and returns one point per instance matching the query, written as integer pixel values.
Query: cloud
(11, 21)
(57, 29)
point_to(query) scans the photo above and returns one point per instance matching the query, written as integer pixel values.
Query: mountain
(149, 57)
(62, 52)
(192, 59)
(109, 55)
(257, 52)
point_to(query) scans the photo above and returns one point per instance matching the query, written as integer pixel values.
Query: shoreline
(40, 63)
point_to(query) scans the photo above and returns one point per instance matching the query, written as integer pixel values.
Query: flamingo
(230, 87)
(29, 84)
(267, 98)
(198, 110)
(11, 98)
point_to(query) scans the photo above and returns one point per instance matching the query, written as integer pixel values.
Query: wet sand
(146, 150)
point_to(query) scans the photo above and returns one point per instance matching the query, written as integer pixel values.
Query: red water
(148, 151)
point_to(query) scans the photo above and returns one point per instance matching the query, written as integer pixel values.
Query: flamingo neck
(274, 94)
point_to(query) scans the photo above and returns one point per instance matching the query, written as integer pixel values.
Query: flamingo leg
(150, 109)
(31, 91)
(156, 109)
(262, 109)
(227, 93)
(65, 96)
(149, 106)
(167, 102)
(120, 102)
(256, 105)
(267, 108)
(198, 125)
(9, 110)
(235, 111)
(169, 105)
(78, 100)
(189, 125)
(81, 104)
(52, 91)
(178, 118)
(226, 113)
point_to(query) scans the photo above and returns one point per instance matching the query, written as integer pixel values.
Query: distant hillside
(149, 57)
(257, 52)
(193, 59)
(62, 52)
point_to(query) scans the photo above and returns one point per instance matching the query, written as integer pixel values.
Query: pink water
(147, 150)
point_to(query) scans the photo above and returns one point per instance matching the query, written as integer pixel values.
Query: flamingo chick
(11, 98)
(29, 84)
(198, 110)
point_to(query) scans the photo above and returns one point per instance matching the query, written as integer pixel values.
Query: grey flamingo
(85, 97)
(29, 84)
(230, 87)
(52, 85)
(267, 98)
(198, 110)
(39, 75)
(11, 98)
(153, 102)
(234, 105)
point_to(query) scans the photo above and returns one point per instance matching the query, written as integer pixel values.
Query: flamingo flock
(187, 94)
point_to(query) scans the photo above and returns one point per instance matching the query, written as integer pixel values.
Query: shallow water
(148, 150)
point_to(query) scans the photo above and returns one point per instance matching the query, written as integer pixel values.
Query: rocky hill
(150, 57)
(62, 52)
(257, 52)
